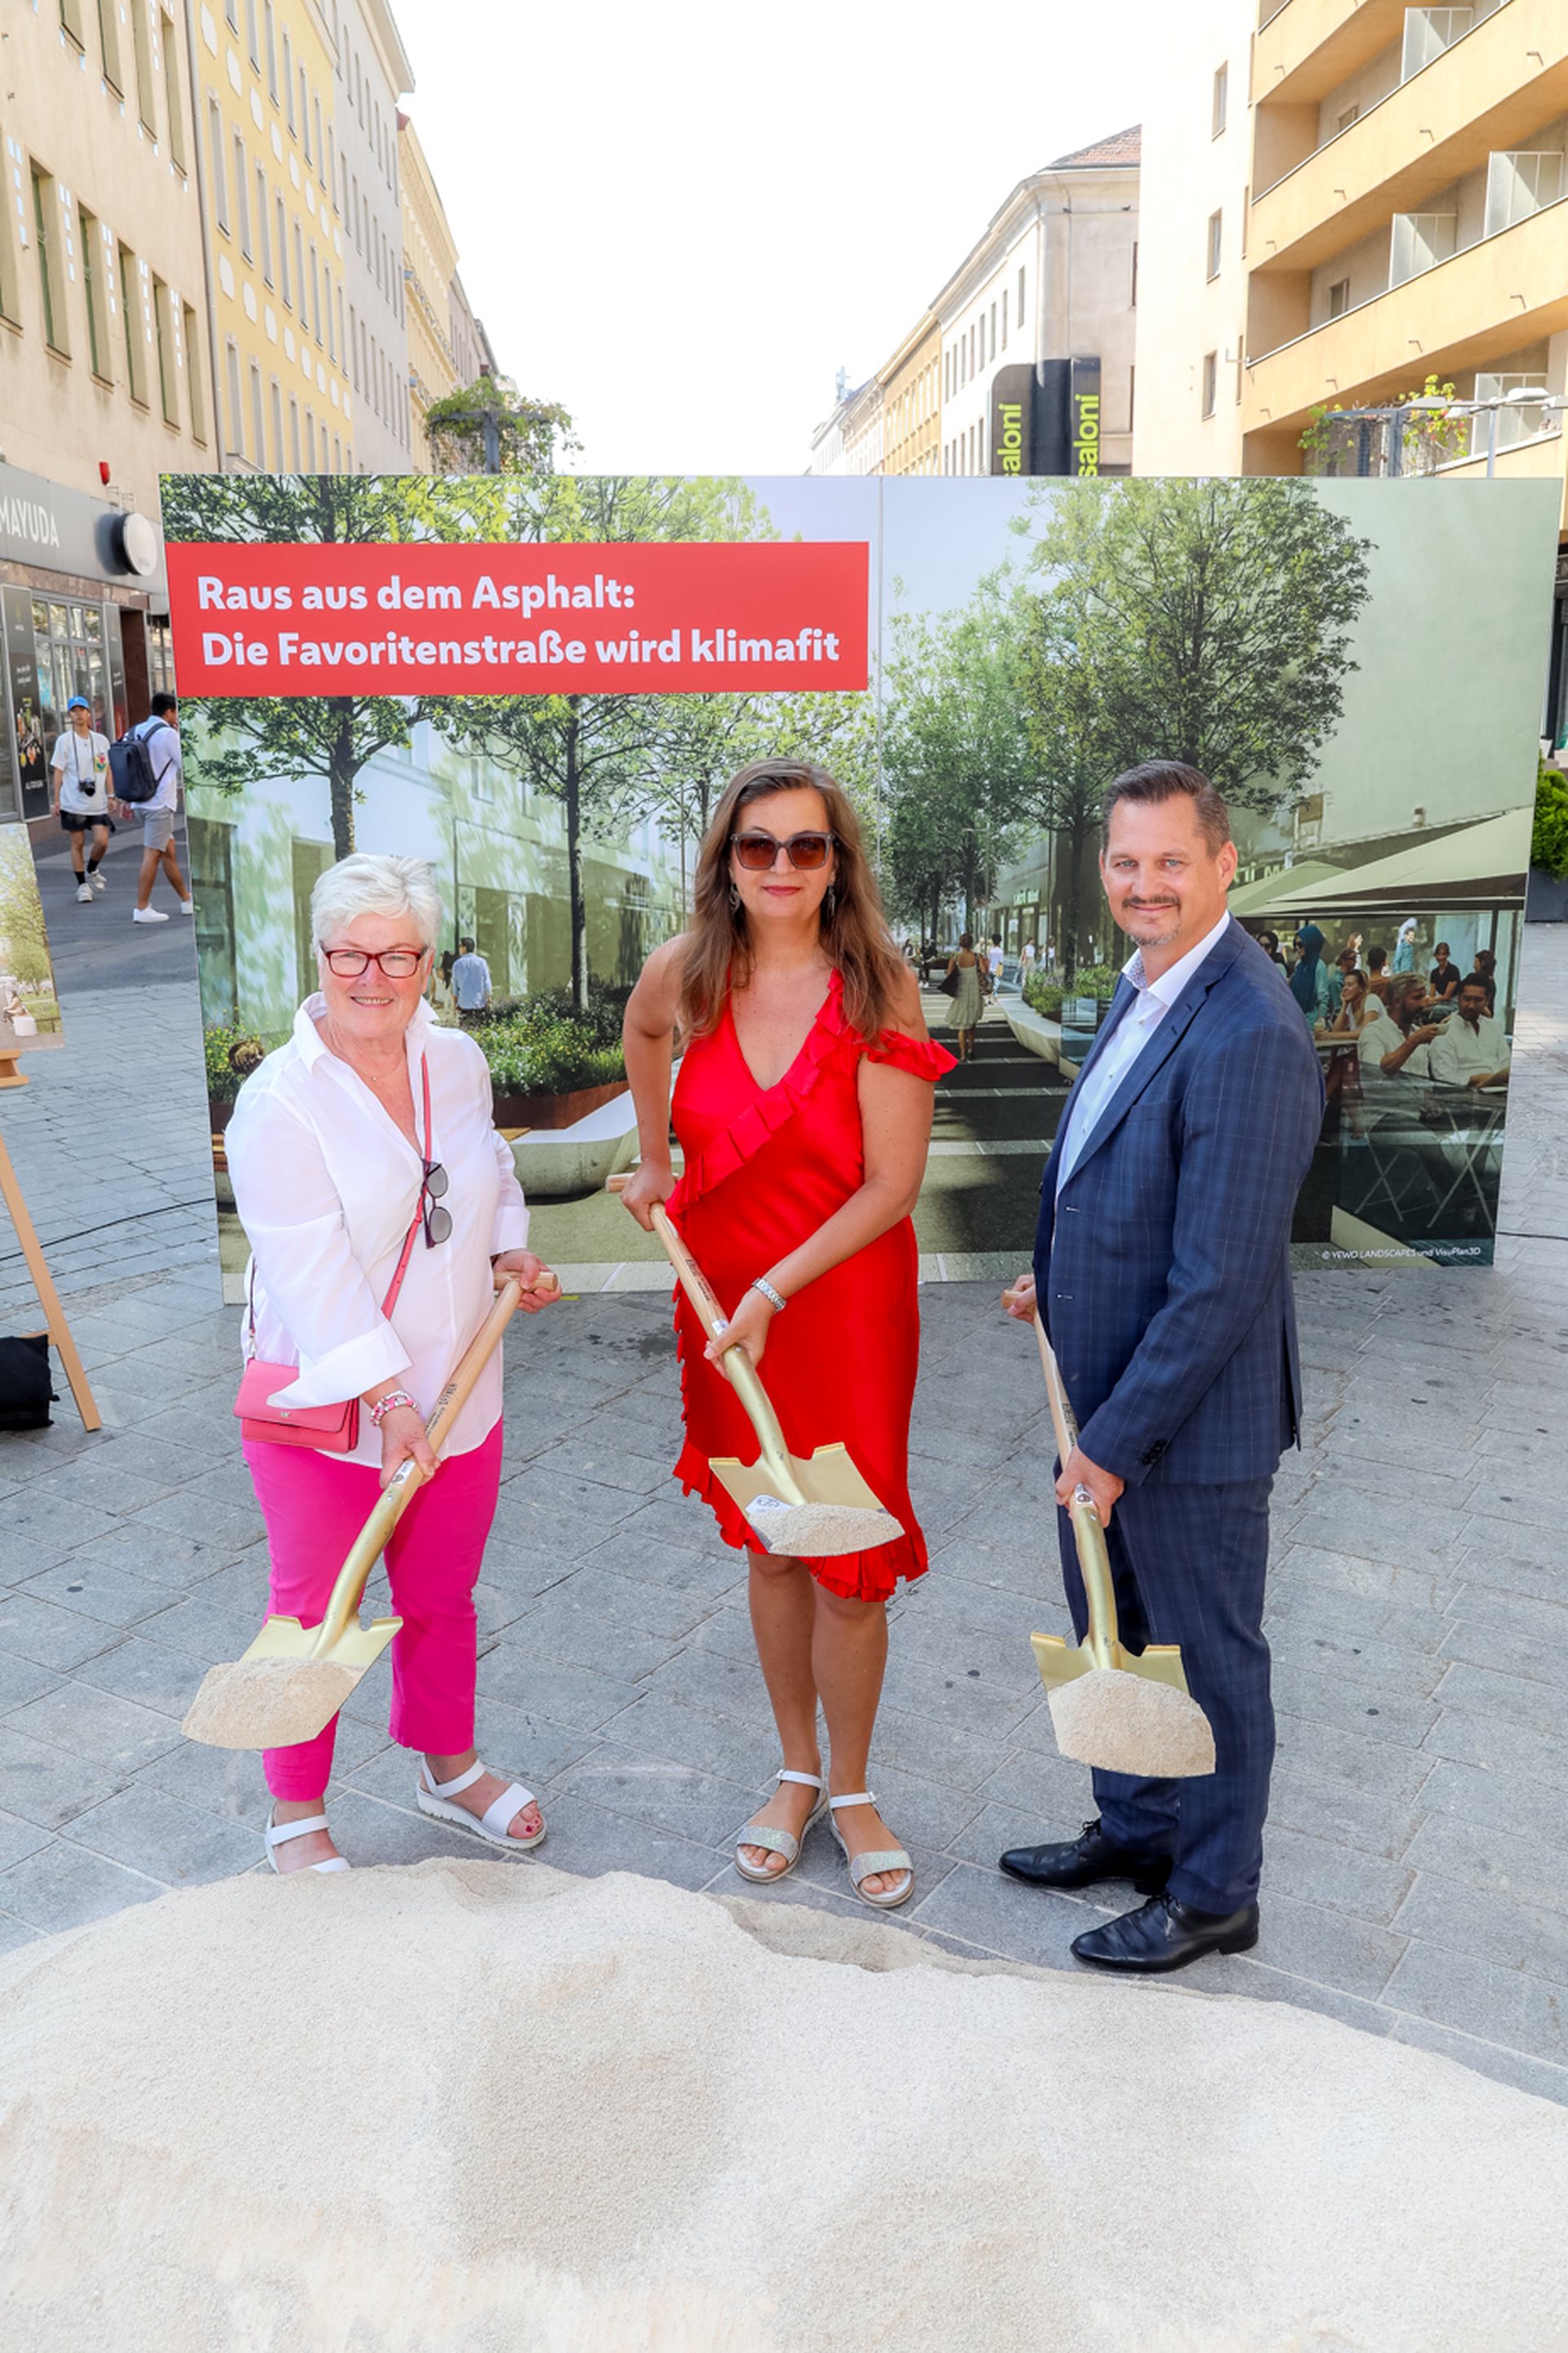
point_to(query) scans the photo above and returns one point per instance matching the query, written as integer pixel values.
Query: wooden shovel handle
(347, 1593)
(1093, 1560)
(735, 1364)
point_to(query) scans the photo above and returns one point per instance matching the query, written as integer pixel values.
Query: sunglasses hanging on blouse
(433, 1179)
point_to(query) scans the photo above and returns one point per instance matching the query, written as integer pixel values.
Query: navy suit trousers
(1188, 1564)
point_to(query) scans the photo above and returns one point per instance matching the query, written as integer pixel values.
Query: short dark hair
(1164, 780)
(1347, 956)
(161, 705)
(1476, 980)
(1376, 958)
(465, 942)
(1441, 948)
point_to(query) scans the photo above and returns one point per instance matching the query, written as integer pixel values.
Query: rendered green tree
(277, 737)
(1207, 621)
(492, 428)
(592, 752)
(954, 743)
(1070, 770)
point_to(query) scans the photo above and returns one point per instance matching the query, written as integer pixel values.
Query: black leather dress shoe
(1084, 1862)
(1166, 1934)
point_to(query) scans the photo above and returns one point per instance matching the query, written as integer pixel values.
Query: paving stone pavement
(1416, 1879)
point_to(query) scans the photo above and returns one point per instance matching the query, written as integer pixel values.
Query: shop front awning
(1475, 867)
(1253, 900)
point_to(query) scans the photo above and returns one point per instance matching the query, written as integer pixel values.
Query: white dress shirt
(326, 1183)
(1461, 1053)
(1095, 1092)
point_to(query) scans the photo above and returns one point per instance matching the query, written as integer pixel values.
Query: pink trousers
(314, 1507)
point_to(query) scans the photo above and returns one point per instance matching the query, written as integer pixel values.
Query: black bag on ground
(26, 1392)
(132, 776)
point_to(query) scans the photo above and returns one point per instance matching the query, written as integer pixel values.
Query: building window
(283, 219)
(1521, 184)
(51, 277)
(220, 177)
(294, 435)
(1419, 241)
(172, 107)
(1132, 396)
(1351, 114)
(1339, 298)
(327, 306)
(299, 275)
(109, 45)
(130, 319)
(143, 42)
(1005, 317)
(289, 82)
(1020, 300)
(194, 375)
(1211, 382)
(252, 35)
(70, 18)
(263, 231)
(1220, 100)
(315, 296)
(92, 288)
(1215, 238)
(1133, 297)
(163, 337)
(993, 329)
(272, 50)
(236, 411)
(258, 417)
(309, 440)
(276, 391)
(241, 196)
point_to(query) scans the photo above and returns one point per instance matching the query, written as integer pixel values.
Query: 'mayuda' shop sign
(428, 617)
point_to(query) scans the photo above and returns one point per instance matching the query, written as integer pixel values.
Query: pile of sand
(514, 2112)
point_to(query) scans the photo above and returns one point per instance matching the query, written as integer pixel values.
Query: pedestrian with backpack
(79, 764)
(150, 757)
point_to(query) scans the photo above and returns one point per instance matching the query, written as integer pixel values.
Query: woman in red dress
(803, 1109)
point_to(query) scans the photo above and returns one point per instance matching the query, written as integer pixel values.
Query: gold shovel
(1124, 1711)
(806, 1510)
(293, 1679)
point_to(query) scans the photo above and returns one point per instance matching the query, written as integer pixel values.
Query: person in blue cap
(80, 765)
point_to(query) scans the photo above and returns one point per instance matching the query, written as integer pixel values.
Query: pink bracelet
(383, 1405)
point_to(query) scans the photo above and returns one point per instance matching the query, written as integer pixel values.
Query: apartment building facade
(372, 74)
(911, 383)
(105, 363)
(265, 96)
(429, 275)
(1348, 197)
(1055, 276)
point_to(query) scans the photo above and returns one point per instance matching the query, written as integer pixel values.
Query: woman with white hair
(379, 1202)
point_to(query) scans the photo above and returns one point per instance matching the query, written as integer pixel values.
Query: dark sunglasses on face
(438, 1220)
(757, 852)
(394, 964)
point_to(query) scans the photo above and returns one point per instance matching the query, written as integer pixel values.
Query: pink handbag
(330, 1429)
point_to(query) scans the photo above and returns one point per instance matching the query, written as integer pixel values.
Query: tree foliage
(492, 428)
(1205, 621)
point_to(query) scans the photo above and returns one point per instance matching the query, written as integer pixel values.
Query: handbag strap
(395, 1285)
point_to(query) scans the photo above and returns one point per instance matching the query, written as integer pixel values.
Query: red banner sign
(421, 617)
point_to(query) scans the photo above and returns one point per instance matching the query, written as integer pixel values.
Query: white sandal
(279, 1834)
(875, 1859)
(491, 1825)
(783, 1843)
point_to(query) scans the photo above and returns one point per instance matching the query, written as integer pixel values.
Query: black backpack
(25, 1390)
(130, 769)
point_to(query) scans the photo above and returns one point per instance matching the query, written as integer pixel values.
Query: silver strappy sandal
(763, 1834)
(883, 1858)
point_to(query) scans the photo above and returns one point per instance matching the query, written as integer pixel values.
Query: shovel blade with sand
(1124, 1711)
(293, 1679)
(805, 1507)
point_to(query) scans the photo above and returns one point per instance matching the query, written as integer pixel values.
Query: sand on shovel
(506, 2110)
(267, 1703)
(1125, 1724)
(815, 1531)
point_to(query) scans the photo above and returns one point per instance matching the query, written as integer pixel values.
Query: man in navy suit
(1163, 1275)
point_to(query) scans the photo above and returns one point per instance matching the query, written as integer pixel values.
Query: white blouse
(326, 1183)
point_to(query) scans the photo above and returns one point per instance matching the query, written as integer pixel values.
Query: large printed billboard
(542, 685)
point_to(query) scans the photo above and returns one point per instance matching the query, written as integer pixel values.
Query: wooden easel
(43, 1281)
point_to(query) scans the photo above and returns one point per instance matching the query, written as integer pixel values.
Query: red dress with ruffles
(765, 1166)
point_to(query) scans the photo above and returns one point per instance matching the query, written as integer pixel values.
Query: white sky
(680, 216)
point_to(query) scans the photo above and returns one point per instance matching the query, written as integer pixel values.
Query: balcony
(1307, 47)
(1473, 309)
(1484, 93)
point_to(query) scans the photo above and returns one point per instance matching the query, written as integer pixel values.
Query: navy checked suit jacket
(1163, 1272)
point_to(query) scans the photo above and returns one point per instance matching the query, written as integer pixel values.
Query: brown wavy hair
(855, 932)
